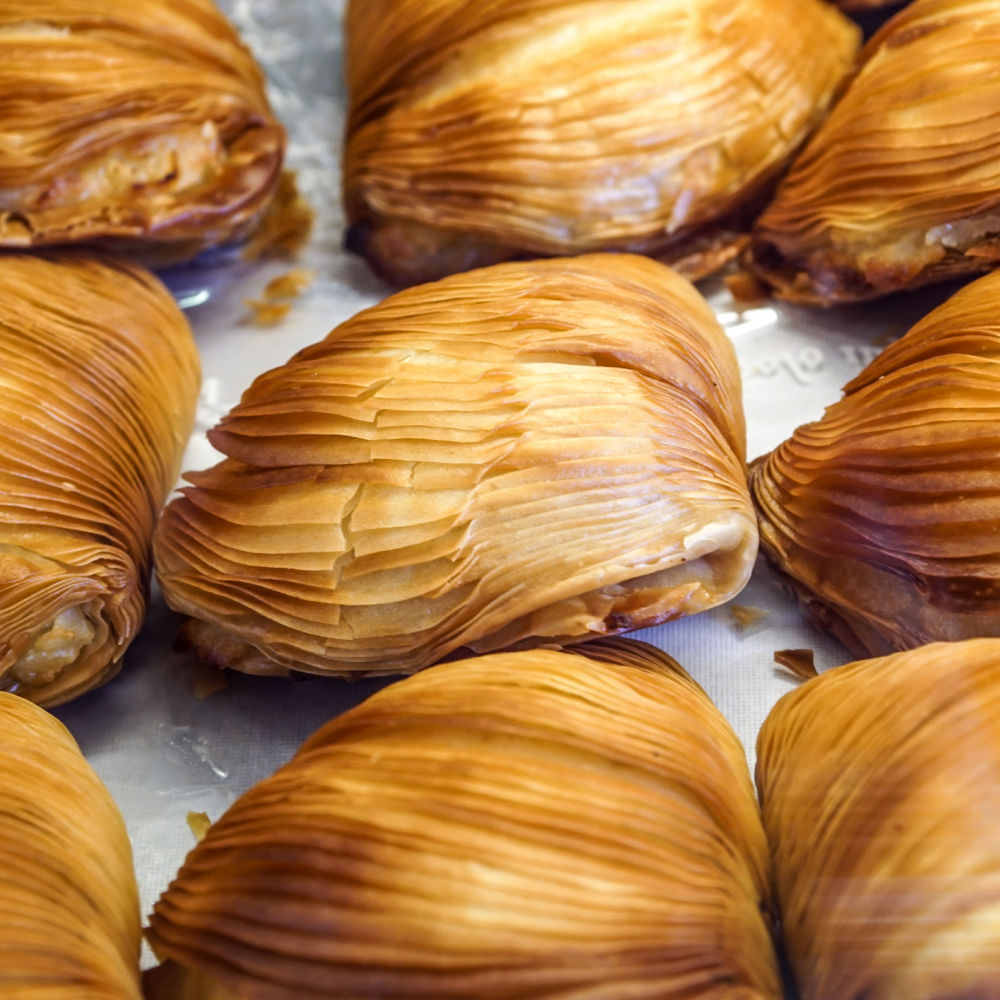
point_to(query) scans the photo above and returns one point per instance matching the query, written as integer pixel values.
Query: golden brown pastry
(882, 516)
(880, 784)
(69, 908)
(900, 186)
(134, 123)
(534, 452)
(99, 380)
(523, 824)
(485, 130)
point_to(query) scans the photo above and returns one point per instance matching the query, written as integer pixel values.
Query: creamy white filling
(54, 648)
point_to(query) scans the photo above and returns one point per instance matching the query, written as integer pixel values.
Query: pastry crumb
(746, 288)
(199, 824)
(264, 313)
(800, 662)
(273, 306)
(289, 285)
(746, 615)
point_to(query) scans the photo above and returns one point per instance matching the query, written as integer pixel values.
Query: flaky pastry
(98, 381)
(900, 186)
(882, 516)
(522, 824)
(69, 908)
(486, 130)
(142, 124)
(533, 452)
(880, 785)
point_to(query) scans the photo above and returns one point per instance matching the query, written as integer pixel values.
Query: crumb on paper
(208, 680)
(199, 824)
(286, 225)
(746, 288)
(746, 615)
(264, 313)
(800, 662)
(274, 305)
(289, 285)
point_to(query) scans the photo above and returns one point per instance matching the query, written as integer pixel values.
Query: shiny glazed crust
(879, 785)
(882, 515)
(69, 906)
(100, 378)
(135, 124)
(538, 452)
(900, 185)
(503, 129)
(521, 824)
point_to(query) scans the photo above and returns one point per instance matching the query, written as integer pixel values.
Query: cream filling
(54, 648)
(177, 161)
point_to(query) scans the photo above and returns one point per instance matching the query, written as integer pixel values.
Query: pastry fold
(98, 382)
(143, 125)
(486, 130)
(534, 452)
(880, 786)
(882, 516)
(900, 185)
(69, 907)
(521, 824)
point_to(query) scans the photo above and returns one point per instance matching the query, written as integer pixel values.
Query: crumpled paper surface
(165, 752)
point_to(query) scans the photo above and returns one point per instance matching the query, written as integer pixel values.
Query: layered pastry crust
(98, 382)
(880, 785)
(900, 186)
(882, 516)
(143, 125)
(521, 824)
(539, 452)
(497, 129)
(69, 907)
